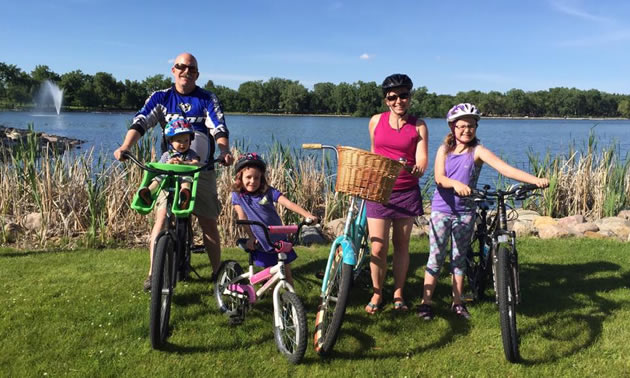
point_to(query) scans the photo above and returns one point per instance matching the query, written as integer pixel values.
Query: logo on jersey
(184, 107)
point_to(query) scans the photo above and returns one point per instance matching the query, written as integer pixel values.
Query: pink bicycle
(236, 292)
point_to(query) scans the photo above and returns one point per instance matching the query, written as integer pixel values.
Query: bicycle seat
(143, 208)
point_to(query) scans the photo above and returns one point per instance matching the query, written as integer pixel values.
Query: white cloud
(569, 8)
(366, 56)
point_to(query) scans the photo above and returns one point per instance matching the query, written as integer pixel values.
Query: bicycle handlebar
(519, 191)
(130, 156)
(288, 229)
(312, 146)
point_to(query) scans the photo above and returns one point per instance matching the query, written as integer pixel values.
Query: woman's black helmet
(396, 81)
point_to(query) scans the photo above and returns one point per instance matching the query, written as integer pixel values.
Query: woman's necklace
(398, 121)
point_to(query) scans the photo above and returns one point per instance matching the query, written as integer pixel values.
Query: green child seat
(167, 184)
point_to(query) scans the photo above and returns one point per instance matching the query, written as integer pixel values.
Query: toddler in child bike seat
(178, 133)
(457, 165)
(253, 199)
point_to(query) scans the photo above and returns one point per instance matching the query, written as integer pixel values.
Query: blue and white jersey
(200, 107)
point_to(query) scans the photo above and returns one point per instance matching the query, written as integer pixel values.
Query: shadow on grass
(361, 291)
(16, 253)
(570, 304)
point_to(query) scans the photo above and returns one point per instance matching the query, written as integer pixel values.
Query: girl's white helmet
(463, 110)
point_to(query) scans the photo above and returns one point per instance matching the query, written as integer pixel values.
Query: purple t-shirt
(260, 208)
(460, 167)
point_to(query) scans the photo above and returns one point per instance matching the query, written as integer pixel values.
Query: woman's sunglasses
(402, 96)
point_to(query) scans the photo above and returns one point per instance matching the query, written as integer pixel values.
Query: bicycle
(347, 259)
(235, 292)
(173, 246)
(493, 256)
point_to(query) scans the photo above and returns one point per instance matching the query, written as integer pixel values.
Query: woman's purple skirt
(406, 203)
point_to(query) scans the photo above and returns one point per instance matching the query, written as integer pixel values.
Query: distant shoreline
(339, 115)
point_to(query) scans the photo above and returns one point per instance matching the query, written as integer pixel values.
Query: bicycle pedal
(197, 249)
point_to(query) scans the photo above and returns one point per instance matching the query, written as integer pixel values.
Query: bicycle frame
(172, 247)
(355, 229)
(350, 241)
(270, 276)
(273, 276)
(497, 231)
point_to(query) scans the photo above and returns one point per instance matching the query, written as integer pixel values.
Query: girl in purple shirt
(253, 199)
(457, 165)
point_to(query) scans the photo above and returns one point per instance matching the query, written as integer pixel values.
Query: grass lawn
(83, 313)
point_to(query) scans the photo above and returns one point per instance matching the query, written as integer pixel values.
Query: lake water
(511, 139)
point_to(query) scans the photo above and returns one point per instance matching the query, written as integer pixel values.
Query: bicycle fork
(277, 316)
(506, 237)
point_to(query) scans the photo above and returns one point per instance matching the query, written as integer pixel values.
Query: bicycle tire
(507, 303)
(233, 307)
(328, 318)
(291, 337)
(185, 241)
(362, 256)
(476, 273)
(161, 290)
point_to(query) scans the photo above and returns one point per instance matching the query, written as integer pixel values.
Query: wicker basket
(366, 175)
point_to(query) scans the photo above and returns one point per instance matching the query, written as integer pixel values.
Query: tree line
(102, 91)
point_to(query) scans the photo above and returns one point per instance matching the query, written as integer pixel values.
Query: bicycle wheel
(291, 337)
(362, 256)
(507, 303)
(184, 234)
(333, 304)
(230, 305)
(477, 271)
(161, 290)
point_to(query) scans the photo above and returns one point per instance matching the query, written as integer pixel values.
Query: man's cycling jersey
(201, 108)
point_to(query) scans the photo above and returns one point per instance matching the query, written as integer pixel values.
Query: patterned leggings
(457, 228)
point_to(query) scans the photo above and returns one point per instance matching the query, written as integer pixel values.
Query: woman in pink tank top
(396, 134)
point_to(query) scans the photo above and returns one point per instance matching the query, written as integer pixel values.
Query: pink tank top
(396, 144)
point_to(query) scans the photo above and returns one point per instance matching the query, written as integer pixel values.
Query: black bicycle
(173, 246)
(493, 254)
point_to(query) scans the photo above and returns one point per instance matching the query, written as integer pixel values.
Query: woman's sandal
(372, 308)
(400, 305)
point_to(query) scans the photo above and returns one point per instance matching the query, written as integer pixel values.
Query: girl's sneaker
(461, 310)
(425, 312)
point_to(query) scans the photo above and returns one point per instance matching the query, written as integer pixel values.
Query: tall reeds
(83, 199)
(591, 181)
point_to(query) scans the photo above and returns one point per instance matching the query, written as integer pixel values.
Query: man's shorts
(207, 200)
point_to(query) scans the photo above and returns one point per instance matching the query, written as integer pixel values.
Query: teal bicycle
(363, 175)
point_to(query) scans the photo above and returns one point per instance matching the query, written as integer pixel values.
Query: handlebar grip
(291, 229)
(312, 146)
(527, 187)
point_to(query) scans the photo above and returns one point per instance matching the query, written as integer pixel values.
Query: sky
(445, 46)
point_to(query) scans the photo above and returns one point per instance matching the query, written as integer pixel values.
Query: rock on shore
(10, 138)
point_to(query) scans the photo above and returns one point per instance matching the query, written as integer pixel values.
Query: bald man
(203, 111)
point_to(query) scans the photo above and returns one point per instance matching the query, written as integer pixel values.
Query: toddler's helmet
(250, 159)
(177, 127)
(396, 81)
(463, 110)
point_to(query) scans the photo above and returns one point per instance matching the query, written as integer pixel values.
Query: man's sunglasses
(402, 96)
(183, 67)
